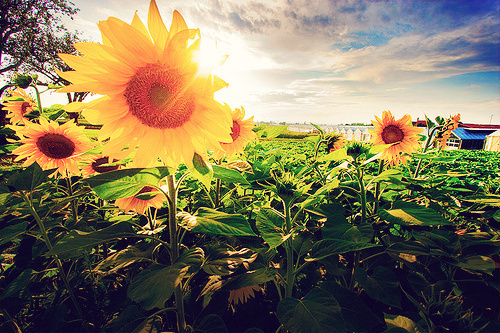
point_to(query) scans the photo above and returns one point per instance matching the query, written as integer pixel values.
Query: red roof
(422, 123)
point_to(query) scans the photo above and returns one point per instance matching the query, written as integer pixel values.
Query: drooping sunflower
(52, 145)
(154, 92)
(18, 104)
(241, 134)
(140, 205)
(400, 133)
(97, 164)
(243, 294)
(334, 142)
(445, 132)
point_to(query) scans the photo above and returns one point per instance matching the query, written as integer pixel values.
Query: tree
(31, 36)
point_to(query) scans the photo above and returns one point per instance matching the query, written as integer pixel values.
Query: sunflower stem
(217, 192)
(172, 225)
(74, 208)
(290, 267)
(362, 193)
(426, 146)
(48, 243)
(377, 185)
(38, 100)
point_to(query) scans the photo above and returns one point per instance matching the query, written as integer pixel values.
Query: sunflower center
(24, 106)
(159, 97)
(145, 189)
(392, 134)
(97, 165)
(55, 145)
(235, 131)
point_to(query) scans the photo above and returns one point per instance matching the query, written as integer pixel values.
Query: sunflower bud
(23, 81)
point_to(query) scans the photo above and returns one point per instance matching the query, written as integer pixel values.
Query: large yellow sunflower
(52, 145)
(241, 134)
(140, 205)
(19, 104)
(399, 132)
(154, 93)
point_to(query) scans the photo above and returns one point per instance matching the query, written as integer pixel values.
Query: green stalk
(290, 269)
(426, 146)
(38, 100)
(172, 226)
(217, 192)
(377, 185)
(49, 246)
(362, 193)
(74, 208)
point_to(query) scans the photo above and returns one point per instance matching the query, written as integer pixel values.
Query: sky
(337, 62)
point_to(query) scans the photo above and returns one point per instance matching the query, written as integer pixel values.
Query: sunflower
(242, 295)
(335, 142)
(400, 133)
(97, 164)
(52, 145)
(445, 132)
(154, 92)
(140, 205)
(19, 104)
(241, 133)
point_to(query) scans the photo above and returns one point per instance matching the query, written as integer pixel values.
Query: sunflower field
(161, 209)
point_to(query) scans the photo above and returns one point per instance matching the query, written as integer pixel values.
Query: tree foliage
(31, 36)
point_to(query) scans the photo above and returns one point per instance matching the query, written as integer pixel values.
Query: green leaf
(410, 247)
(76, 240)
(478, 263)
(272, 132)
(390, 175)
(357, 316)
(9, 233)
(228, 175)
(318, 128)
(303, 242)
(29, 178)
(250, 278)
(409, 213)
(328, 247)
(342, 229)
(211, 221)
(270, 224)
(126, 182)
(337, 155)
(201, 170)
(154, 285)
(18, 284)
(211, 324)
(490, 200)
(395, 322)
(430, 124)
(132, 320)
(132, 254)
(382, 285)
(318, 312)
(224, 261)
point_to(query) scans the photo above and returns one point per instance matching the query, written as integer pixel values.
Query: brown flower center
(392, 133)
(159, 97)
(55, 145)
(145, 189)
(24, 106)
(235, 130)
(96, 165)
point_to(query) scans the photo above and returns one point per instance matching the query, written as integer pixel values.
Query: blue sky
(331, 62)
